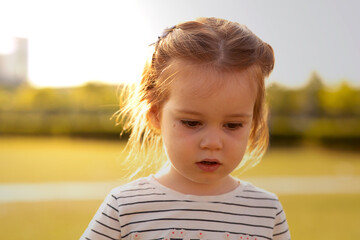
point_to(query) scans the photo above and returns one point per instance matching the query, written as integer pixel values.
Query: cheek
(171, 134)
(243, 133)
(174, 129)
(240, 139)
(178, 141)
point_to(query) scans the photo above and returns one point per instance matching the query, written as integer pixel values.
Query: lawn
(64, 159)
(34, 160)
(321, 217)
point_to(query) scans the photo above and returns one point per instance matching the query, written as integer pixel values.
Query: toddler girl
(200, 101)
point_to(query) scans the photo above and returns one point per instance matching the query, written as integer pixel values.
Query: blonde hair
(218, 43)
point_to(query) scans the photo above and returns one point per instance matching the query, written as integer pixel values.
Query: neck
(186, 186)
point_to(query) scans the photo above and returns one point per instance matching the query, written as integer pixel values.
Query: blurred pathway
(27, 192)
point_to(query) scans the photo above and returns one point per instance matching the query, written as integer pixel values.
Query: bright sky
(75, 41)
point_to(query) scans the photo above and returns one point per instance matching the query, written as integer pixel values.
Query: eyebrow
(234, 115)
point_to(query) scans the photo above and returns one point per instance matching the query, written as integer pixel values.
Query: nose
(211, 140)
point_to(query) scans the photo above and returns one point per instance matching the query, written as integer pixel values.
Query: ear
(153, 116)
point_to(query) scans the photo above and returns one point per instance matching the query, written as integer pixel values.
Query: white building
(14, 64)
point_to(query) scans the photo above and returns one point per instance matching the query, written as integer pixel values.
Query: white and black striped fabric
(145, 209)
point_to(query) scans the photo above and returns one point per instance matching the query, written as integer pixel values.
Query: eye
(191, 123)
(233, 126)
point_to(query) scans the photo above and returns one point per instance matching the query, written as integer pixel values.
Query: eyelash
(195, 124)
(190, 123)
(234, 125)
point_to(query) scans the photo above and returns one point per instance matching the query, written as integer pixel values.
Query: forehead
(207, 81)
(212, 95)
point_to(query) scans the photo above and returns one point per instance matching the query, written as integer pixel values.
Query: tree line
(315, 112)
(330, 115)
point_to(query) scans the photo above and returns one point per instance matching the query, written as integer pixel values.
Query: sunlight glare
(103, 46)
(7, 45)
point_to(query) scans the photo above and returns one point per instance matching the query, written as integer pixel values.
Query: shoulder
(252, 190)
(136, 186)
(271, 202)
(253, 195)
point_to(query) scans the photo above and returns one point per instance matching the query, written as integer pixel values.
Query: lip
(208, 165)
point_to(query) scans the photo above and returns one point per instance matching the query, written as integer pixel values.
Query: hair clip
(164, 35)
(167, 31)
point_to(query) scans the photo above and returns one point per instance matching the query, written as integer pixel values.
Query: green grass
(46, 220)
(306, 161)
(64, 159)
(321, 217)
(59, 159)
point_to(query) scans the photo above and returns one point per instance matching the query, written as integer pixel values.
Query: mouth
(209, 162)
(208, 165)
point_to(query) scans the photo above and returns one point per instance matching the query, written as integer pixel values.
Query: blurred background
(63, 62)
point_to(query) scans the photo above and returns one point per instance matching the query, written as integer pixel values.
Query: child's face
(205, 126)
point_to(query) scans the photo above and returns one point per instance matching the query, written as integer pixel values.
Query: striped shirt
(145, 209)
